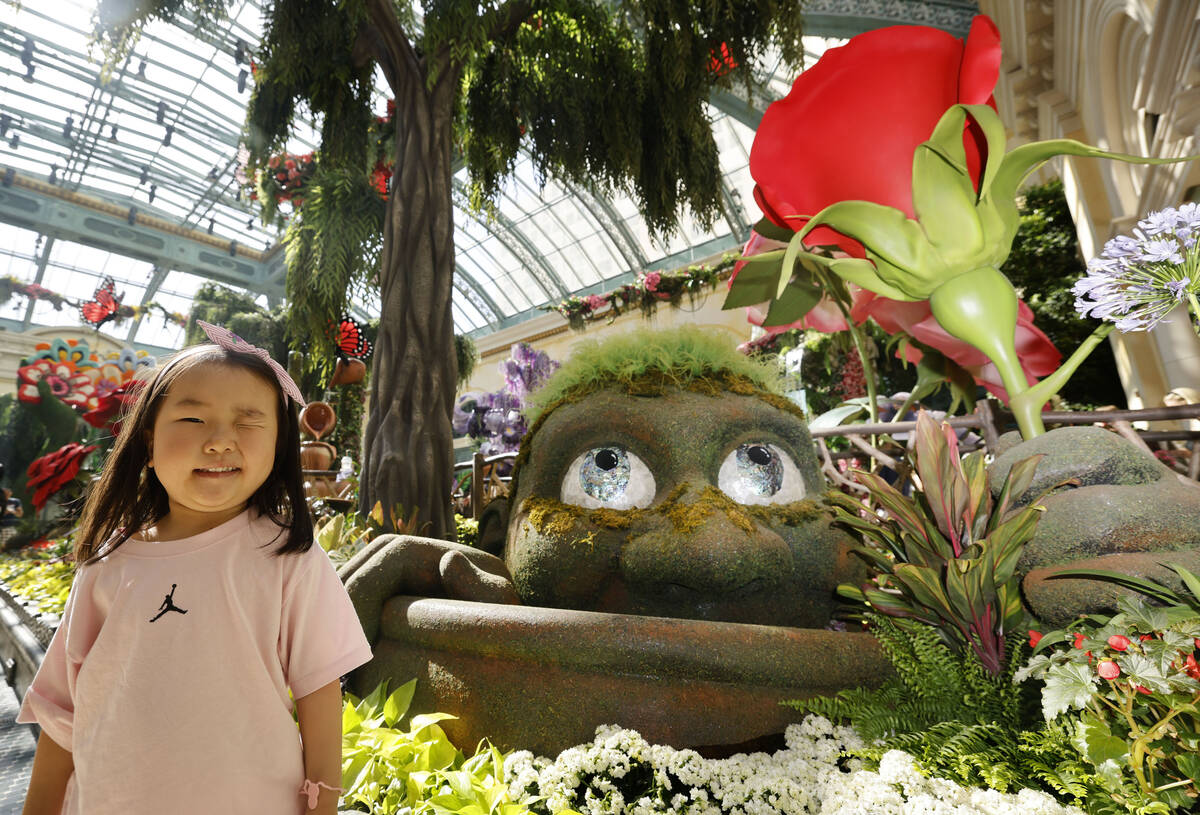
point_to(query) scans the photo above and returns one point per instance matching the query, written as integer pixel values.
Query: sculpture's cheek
(566, 564)
(823, 561)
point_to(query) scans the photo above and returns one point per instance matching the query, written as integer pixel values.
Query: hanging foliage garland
(10, 286)
(646, 293)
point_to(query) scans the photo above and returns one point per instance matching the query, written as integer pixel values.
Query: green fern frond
(333, 249)
(959, 721)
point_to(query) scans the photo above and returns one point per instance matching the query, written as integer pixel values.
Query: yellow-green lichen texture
(554, 518)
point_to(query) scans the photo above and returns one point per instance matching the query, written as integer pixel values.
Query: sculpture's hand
(1129, 513)
(424, 567)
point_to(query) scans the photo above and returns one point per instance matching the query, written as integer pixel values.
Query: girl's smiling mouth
(216, 472)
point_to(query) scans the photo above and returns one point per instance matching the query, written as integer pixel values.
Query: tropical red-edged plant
(947, 556)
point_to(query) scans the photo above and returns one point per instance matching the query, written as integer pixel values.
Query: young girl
(199, 602)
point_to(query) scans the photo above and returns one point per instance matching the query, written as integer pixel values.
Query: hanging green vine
(332, 254)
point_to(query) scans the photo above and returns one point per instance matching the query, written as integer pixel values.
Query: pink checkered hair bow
(232, 342)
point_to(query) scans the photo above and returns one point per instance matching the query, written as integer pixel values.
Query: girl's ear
(149, 449)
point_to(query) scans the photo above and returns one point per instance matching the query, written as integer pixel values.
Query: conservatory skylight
(161, 135)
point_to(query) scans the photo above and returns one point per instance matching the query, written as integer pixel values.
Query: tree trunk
(408, 461)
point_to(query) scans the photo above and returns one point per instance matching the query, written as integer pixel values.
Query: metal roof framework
(157, 142)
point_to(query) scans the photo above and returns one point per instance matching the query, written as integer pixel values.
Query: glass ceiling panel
(172, 108)
(464, 312)
(162, 135)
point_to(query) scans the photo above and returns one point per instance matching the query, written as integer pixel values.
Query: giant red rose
(848, 128)
(1038, 355)
(847, 131)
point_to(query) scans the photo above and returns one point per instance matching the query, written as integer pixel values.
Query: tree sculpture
(604, 94)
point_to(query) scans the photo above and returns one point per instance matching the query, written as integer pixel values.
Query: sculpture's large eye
(609, 477)
(759, 473)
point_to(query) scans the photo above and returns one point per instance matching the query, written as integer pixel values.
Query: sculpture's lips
(541, 678)
(747, 589)
(699, 649)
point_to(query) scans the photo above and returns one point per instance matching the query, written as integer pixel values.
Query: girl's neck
(180, 523)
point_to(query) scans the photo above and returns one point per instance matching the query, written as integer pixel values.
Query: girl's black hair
(128, 496)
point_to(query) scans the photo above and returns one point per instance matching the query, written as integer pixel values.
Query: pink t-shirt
(168, 677)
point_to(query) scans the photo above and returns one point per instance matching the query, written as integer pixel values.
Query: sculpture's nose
(706, 544)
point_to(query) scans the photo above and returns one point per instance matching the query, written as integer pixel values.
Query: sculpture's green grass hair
(648, 363)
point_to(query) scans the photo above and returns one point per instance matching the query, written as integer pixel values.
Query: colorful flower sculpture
(67, 366)
(946, 240)
(76, 374)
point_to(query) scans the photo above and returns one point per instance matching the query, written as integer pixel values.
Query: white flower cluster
(620, 773)
(898, 788)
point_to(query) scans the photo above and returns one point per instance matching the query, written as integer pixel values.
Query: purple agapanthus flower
(1158, 251)
(1156, 223)
(1137, 279)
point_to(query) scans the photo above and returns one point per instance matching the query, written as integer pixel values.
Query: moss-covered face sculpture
(665, 477)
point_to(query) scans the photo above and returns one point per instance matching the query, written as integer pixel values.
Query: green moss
(649, 363)
(614, 518)
(687, 518)
(793, 514)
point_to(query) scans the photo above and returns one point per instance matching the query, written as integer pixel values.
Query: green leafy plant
(1128, 688)
(39, 576)
(947, 557)
(342, 535)
(386, 769)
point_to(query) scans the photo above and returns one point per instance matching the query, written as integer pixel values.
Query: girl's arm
(52, 767)
(320, 715)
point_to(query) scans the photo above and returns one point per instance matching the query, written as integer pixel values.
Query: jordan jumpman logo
(168, 605)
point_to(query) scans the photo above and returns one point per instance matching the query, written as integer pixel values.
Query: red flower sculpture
(849, 126)
(50, 473)
(113, 404)
(847, 130)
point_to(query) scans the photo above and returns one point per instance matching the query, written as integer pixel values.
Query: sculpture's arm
(424, 567)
